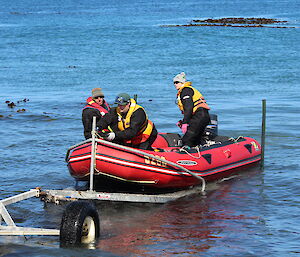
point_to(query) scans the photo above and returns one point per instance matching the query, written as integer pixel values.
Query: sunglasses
(98, 97)
(176, 82)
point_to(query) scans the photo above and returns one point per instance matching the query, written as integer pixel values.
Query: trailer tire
(80, 224)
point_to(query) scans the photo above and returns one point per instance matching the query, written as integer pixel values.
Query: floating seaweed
(11, 105)
(24, 100)
(235, 22)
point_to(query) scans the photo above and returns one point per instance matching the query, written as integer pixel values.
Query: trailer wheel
(80, 224)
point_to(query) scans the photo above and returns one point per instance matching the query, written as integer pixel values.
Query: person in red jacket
(96, 106)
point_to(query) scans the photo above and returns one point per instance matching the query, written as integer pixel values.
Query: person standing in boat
(129, 123)
(194, 109)
(96, 106)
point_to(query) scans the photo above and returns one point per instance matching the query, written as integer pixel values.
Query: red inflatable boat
(220, 157)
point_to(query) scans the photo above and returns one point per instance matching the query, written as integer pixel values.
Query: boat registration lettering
(153, 161)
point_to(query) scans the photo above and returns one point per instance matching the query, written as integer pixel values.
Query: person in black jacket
(194, 109)
(129, 124)
(95, 106)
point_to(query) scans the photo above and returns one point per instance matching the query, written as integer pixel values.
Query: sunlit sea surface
(52, 53)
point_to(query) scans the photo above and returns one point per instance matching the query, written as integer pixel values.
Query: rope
(235, 140)
(207, 144)
(196, 157)
(122, 179)
(97, 134)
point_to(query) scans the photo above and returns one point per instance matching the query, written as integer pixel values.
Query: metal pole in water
(93, 154)
(263, 133)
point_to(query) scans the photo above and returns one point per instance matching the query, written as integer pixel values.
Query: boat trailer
(82, 213)
(69, 195)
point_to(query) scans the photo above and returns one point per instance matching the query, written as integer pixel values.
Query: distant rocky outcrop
(236, 22)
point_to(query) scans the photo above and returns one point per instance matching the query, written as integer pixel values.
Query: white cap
(180, 78)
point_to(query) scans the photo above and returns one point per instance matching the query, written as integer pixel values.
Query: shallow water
(53, 53)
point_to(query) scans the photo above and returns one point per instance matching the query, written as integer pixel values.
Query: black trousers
(147, 144)
(196, 128)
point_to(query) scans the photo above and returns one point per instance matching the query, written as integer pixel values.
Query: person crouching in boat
(194, 109)
(96, 106)
(129, 123)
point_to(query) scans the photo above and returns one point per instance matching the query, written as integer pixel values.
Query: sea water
(52, 53)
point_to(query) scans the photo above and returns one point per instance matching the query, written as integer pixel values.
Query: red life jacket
(102, 108)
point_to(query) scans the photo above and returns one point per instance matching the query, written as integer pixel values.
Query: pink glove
(184, 128)
(179, 124)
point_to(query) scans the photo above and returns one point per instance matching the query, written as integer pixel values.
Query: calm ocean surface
(54, 52)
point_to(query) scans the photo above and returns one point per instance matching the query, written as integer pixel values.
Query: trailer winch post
(93, 154)
(263, 133)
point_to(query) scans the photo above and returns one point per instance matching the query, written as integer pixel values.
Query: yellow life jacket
(123, 124)
(198, 98)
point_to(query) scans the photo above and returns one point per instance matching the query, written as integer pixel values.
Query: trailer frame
(68, 195)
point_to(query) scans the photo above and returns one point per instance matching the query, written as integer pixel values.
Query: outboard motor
(211, 130)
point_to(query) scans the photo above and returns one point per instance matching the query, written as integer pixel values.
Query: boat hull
(211, 163)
